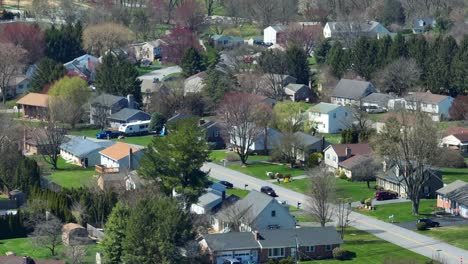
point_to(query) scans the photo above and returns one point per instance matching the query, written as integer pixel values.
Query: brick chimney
(256, 235)
(348, 152)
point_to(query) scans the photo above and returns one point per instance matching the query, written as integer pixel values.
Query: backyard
(68, 175)
(370, 249)
(401, 211)
(25, 247)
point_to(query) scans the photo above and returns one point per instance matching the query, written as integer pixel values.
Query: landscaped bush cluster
(343, 176)
(368, 202)
(313, 160)
(421, 226)
(342, 254)
(231, 156)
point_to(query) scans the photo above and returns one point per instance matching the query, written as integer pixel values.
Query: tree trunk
(368, 184)
(415, 206)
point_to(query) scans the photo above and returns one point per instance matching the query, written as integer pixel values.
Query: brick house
(453, 198)
(260, 246)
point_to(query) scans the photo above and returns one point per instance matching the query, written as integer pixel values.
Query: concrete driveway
(161, 73)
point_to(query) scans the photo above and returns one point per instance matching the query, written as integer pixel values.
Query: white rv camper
(135, 128)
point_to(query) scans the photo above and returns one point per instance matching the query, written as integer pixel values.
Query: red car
(384, 195)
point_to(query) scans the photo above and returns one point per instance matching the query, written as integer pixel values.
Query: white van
(135, 128)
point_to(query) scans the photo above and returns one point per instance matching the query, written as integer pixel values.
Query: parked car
(105, 134)
(227, 184)
(384, 195)
(268, 190)
(429, 222)
(372, 109)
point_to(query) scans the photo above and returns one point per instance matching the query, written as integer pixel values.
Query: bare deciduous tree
(410, 146)
(322, 194)
(48, 234)
(238, 113)
(50, 134)
(343, 211)
(99, 39)
(366, 171)
(76, 254)
(288, 149)
(303, 35)
(11, 64)
(237, 217)
(399, 77)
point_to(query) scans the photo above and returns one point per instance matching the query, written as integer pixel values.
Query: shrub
(450, 158)
(231, 156)
(421, 226)
(279, 176)
(314, 160)
(368, 201)
(341, 254)
(363, 201)
(343, 175)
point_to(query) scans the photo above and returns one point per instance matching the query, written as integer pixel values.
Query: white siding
(331, 158)
(327, 31)
(269, 35)
(332, 122)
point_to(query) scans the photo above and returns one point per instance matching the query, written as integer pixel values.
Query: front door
(293, 252)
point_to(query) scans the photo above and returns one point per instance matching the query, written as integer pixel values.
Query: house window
(434, 106)
(334, 158)
(334, 115)
(328, 247)
(328, 156)
(275, 252)
(273, 213)
(310, 249)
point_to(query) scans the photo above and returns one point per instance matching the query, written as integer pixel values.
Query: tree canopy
(47, 72)
(64, 44)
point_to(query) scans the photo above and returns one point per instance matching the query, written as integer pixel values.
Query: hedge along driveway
(260, 169)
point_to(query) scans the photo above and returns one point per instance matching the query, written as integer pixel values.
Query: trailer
(135, 128)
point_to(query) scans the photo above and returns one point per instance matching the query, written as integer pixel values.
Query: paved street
(161, 73)
(397, 235)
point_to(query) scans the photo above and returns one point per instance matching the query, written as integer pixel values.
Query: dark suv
(268, 190)
(384, 195)
(429, 222)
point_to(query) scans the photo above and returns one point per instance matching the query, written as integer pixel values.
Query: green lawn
(238, 192)
(311, 60)
(72, 176)
(344, 189)
(259, 170)
(24, 247)
(3, 197)
(141, 140)
(219, 155)
(454, 235)
(332, 138)
(401, 211)
(370, 249)
(376, 117)
(245, 30)
(450, 175)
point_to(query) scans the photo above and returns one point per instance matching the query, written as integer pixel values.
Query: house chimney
(130, 101)
(130, 159)
(201, 122)
(348, 152)
(256, 235)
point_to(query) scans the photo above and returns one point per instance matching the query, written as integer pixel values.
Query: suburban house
(17, 85)
(27, 260)
(222, 41)
(453, 198)
(330, 118)
(337, 153)
(257, 211)
(273, 138)
(261, 245)
(35, 142)
(83, 66)
(437, 106)
(34, 105)
(308, 145)
(392, 179)
(119, 157)
(356, 165)
(299, 92)
(127, 115)
(349, 92)
(194, 83)
(16, 199)
(105, 105)
(423, 24)
(457, 142)
(379, 100)
(354, 29)
(212, 131)
(83, 151)
(151, 50)
(274, 34)
(211, 200)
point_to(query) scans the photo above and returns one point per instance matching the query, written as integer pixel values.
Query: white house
(121, 156)
(336, 153)
(354, 29)
(437, 106)
(151, 50)
(83, 151)
(330, 118)
(272, 34)
(194, 83)
(457, 142)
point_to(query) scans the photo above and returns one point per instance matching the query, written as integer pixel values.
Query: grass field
(344, 189)
(24, 247)
(219, 155)
(332, 138)
(238, 192)
(245, 30)
(370, 249)
(259, 170)
(401, 211)
(454, 235)
(72, 176)
(142, 140)
(311, 60)
(450, 175)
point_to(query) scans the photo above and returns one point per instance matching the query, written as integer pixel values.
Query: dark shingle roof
(426, 97)
(378, 98)
(81, 146)
(361, 149)
(306, 139)
(352, 89)
(230, 241)
(127, 114)
(107, 99)
(354, 161)
(463, 137)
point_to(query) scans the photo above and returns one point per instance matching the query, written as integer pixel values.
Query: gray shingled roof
(452, 187)
(230, 241)
(255, 202)
(323, 108)
(127, 114)
(81, 146)
(294, 86)
(378, 98)
(107, 99)
(306, 139)
(353, 26)
(352, 89)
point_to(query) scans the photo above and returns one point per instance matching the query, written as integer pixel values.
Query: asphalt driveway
(443, 220)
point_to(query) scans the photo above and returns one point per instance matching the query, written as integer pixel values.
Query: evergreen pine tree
(192, 62)
(364, 56)
(439, 77)
(216, 84)
(398, 48)
(337, 59)
(157, 122)
(115, 233)
(322, 50)
(47, 72)
(64, 44)
(418, 50)
(384, 45)
(459, 80)
(298, 65)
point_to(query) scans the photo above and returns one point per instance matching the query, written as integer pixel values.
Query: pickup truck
(105, 134)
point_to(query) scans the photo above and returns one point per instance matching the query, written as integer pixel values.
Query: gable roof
(119, 150)
(354, 161)
(255, 202)
(229, 241)
(356, 149)
(81, 146)
(34, 99)
(200, 75)
(463, 137)
(456, 130)
(295, 87)
(452, 187)
(352, 89)
(323, 108)
(368, 26)
(307, 139)
(378, 98)
(156, 43)
(279, 28)
(177, 117)
(126, 114)
(426, 97)
(107, 99)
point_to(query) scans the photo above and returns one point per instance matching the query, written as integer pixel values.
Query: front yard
(219, 155)
(259, 170)
(370, 249)
(401, 211)
(454, 235)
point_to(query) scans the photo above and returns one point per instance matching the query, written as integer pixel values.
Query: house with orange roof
(34, 105)
(119, 157)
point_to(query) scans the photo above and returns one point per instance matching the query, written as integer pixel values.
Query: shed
(74, 235)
